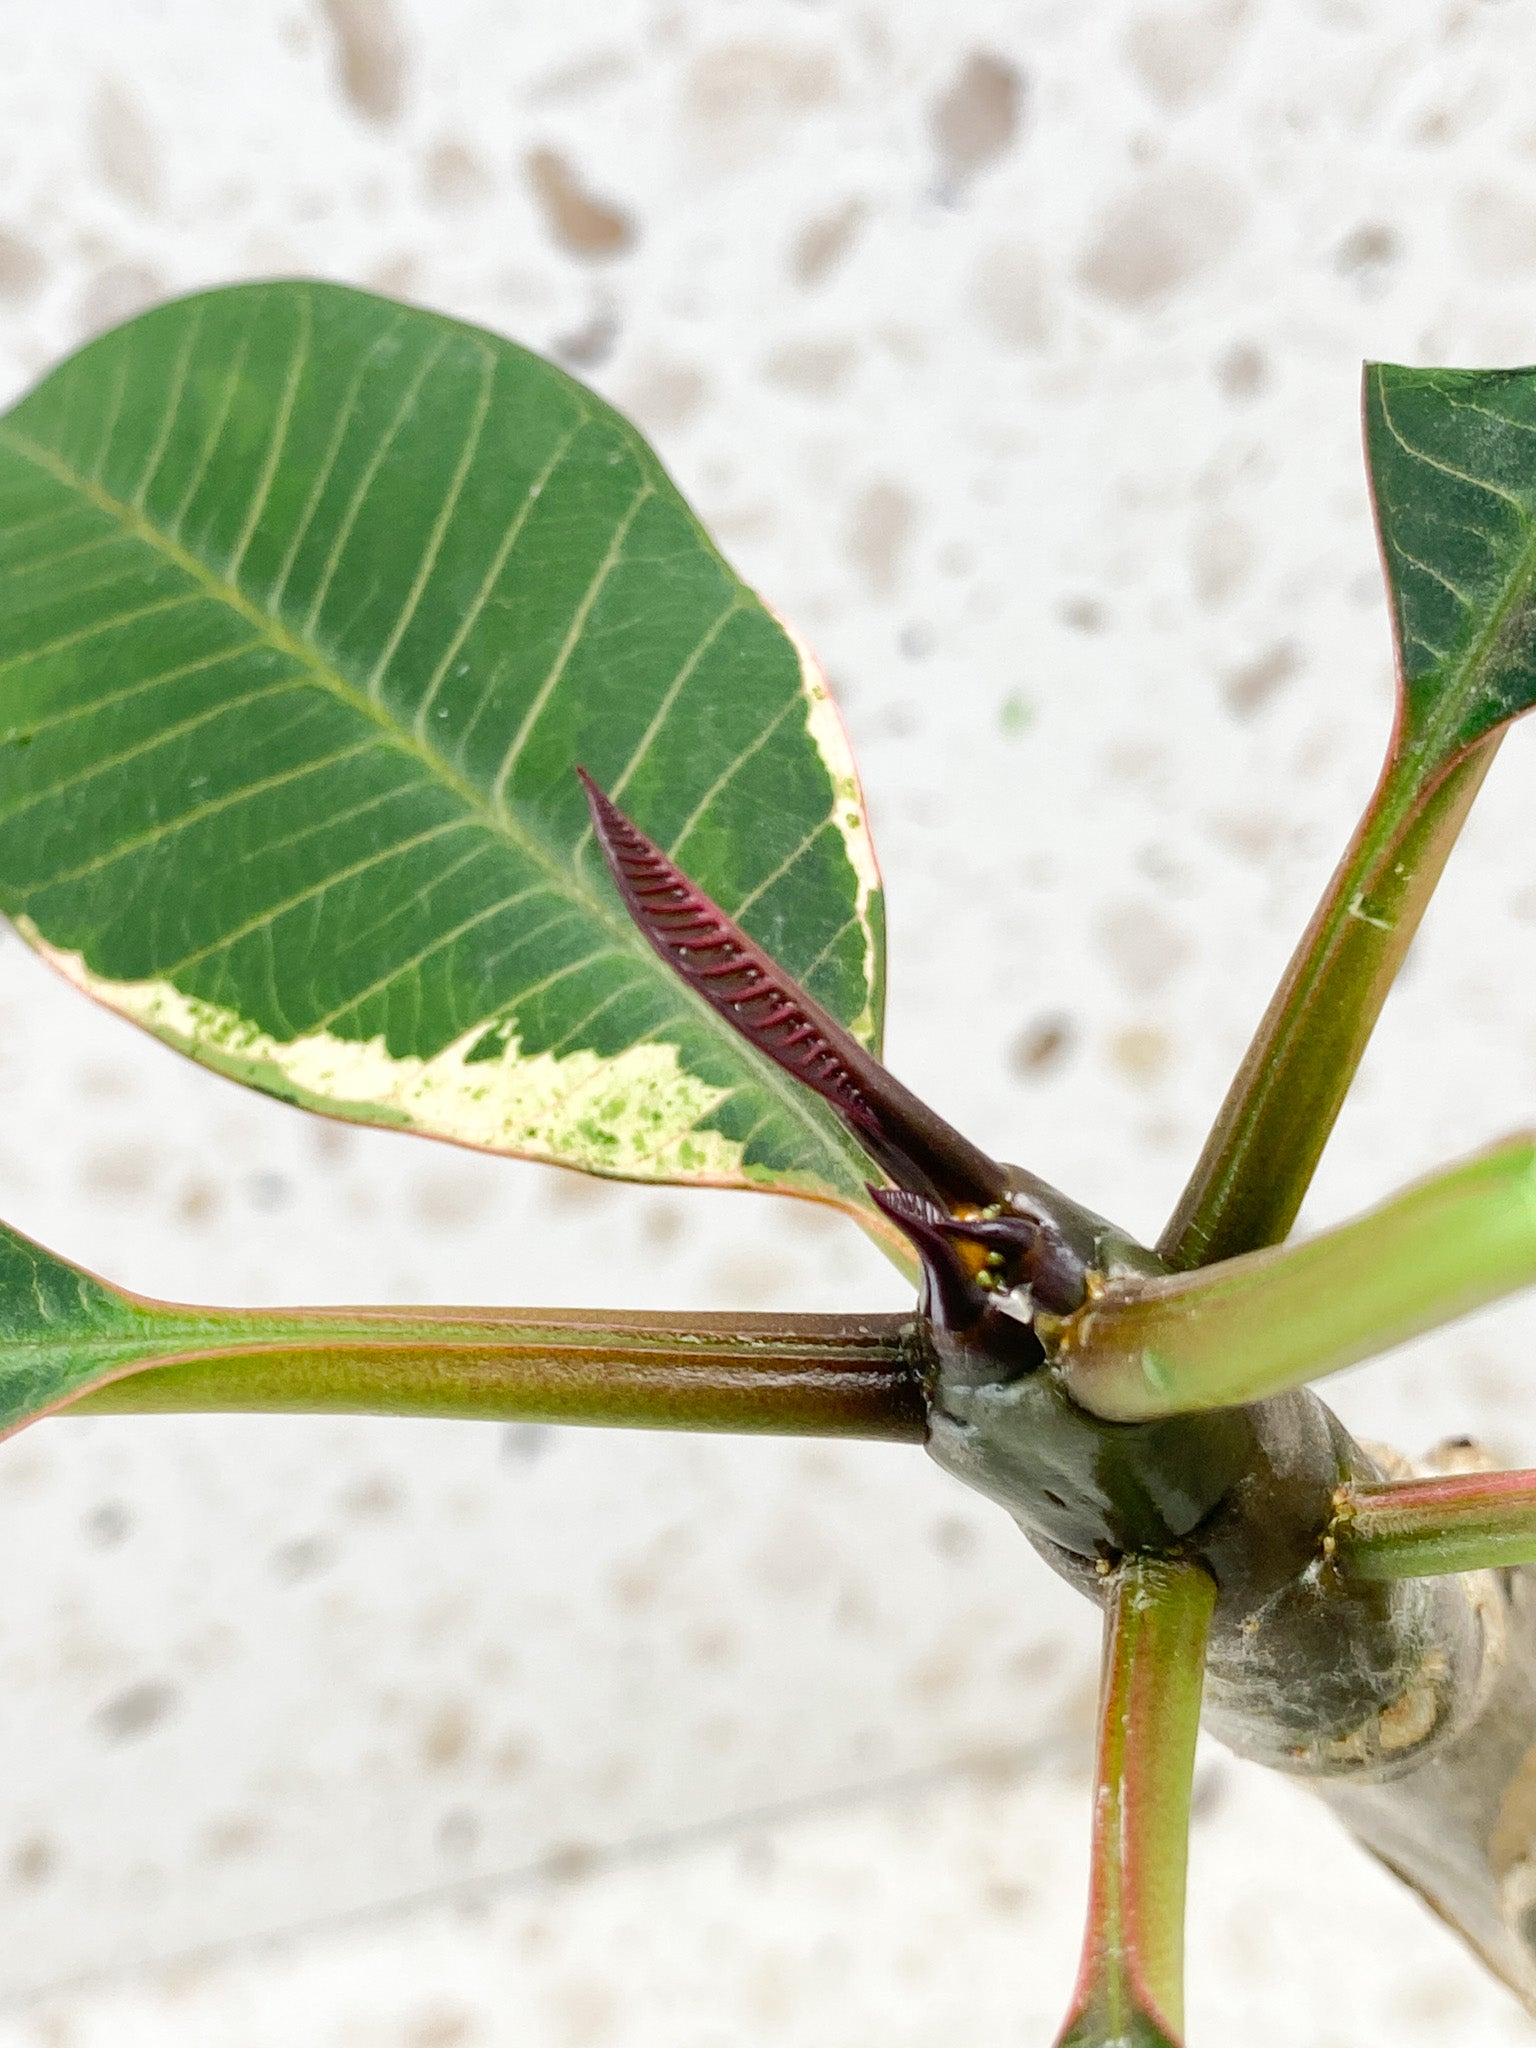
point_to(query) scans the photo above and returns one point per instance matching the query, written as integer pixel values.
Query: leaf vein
(97, 626)
(777, 874)
(440, 524)
(404, 968)
(271, 912)
(493, 574)
(168, 828)
(174, 396)
(162, 736)
(211, 439)
(731, 770)
(278, 440)
(365, 482)
(346, 414)
(145, 683)
(589, 597)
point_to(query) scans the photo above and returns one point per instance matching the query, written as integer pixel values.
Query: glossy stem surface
(1259, 1325)
(852, 1376)
(1419, 1528)
(1277, 1116)
(1131, 1985)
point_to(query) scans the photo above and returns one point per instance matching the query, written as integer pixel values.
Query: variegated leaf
(309, 605)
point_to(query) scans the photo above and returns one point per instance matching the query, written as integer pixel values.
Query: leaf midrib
(284, 641)
(496, 821)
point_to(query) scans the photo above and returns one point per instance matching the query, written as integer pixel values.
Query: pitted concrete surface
(1012, 350)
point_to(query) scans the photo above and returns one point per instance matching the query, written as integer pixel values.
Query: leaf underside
(309, 603)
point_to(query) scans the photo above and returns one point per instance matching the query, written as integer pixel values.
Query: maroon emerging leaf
(951, 1297)
(913, 1144)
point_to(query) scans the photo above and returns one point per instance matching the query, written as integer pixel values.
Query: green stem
(1281, 1107)
(1255, 1326)
(855, 1376)
(1419, 1528)
(1131, 1985)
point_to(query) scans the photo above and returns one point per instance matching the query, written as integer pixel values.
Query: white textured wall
(1043, 426)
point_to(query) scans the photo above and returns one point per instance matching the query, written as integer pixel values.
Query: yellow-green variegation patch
(636, 1114)
(309, 606)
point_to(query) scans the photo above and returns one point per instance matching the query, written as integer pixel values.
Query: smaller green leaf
(1452, 457)
(1453, 470)
(1270, 1132)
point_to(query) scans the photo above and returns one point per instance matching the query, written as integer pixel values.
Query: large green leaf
(309, 604)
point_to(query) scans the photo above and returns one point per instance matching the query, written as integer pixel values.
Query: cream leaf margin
(850, 813)
(634, 1115)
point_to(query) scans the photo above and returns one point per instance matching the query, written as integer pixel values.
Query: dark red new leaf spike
(772, 1012)
(951, 1296)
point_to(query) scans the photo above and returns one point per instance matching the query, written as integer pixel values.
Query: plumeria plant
(379, 728)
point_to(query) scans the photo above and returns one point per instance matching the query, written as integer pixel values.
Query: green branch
(71, 1342)
(1419, 1528)
(1130, 1989)
(1254, 1326)
(1281, 1108)
(852, 1376)
(1454, 491)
